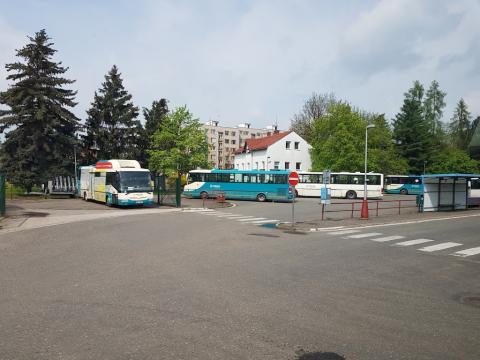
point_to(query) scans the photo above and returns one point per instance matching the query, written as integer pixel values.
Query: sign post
(293, 181)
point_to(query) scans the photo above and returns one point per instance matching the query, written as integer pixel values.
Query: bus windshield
(135, 181)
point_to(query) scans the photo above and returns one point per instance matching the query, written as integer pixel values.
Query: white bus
(342, 184)
(474, 192)
(116, 182)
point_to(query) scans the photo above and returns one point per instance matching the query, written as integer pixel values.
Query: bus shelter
(446, 192)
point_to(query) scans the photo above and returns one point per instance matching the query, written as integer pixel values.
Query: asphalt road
(194, 285)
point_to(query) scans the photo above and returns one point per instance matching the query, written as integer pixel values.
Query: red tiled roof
(261, 143)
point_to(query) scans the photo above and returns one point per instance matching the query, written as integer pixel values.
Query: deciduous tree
(314, 108)
(179, 145)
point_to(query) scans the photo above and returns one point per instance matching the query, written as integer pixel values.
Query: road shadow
(320, 356)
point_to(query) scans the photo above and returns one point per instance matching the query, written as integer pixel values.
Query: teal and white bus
(116, 182)
(257, 185)
(403, 184)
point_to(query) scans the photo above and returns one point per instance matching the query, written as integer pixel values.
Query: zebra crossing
(243, 219)
(426, 245)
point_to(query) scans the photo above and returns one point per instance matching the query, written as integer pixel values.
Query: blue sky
(257, 61)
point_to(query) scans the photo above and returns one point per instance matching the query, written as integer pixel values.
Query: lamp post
(364, 212)
(424, 166)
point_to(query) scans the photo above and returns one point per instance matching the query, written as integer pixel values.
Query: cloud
(9, 41)
(257, 61)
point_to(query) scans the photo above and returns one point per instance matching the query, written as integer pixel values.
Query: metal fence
(167, 191)
(343, 210)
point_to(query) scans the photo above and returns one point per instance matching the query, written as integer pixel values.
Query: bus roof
(404, 176)
(336, 173)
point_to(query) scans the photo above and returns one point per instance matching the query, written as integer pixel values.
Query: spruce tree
(460, 126)
(411, 130)
(433, 105)
(40, 144)
(112, 127)
(154, 118)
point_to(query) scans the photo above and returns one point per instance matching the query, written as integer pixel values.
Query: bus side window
(246, 178)
(238, 178)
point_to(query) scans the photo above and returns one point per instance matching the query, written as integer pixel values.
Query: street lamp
(364, 213)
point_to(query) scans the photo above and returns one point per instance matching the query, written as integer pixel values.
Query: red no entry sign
(293, 178)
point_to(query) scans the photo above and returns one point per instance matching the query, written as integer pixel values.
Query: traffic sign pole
(293, 181)
(293, 208)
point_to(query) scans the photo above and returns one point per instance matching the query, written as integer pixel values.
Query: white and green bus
(116, 182)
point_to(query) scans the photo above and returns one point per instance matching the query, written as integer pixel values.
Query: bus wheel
(109, 201)
(296, 193)
(261, 197)
(351, 195)
(203, 195)
(404, 192)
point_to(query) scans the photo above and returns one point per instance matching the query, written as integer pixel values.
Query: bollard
(353, 208)
(399, 206)
(377, 208)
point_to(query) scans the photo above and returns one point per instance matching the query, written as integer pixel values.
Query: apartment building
(224, 140)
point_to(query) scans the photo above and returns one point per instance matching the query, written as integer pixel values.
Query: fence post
(377, 208)
(2, 194)
(323, 210)
(399, 206)
(353, 208)
(178, 190)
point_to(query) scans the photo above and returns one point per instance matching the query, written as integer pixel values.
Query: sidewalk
(31, 214)
(407, 218)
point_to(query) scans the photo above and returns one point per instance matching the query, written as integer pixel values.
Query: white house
(280, 151)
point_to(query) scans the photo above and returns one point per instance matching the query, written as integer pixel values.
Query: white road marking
(413, 242)
(234, 216)
(360, 236)
(467, 252)
(343, 232)
(264, 221)
(388, 238)
(209, 213)
(240, 217)
(332, 228)
(251, 219)
(441, 246)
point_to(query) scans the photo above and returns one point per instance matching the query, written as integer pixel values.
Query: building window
(233, 133)
(233, 142)
(297, 144)
(226, 132)
(298, 165)
(212, 131)
(276, 165)
(227, 141)
(287, 145)
(287, 165)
